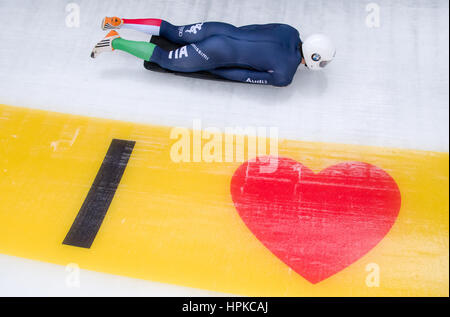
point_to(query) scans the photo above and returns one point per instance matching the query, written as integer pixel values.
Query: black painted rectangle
(93, 211)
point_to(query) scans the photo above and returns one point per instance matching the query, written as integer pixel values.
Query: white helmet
(318, 51)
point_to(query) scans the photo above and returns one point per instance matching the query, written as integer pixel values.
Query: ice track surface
(387, 87)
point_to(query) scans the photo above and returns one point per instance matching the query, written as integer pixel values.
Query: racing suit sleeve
(245, 75)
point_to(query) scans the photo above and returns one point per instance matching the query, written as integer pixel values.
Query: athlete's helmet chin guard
(318, 51)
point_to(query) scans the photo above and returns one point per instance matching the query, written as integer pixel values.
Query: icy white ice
(387, 87)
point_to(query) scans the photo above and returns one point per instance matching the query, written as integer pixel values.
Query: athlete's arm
(250, 76)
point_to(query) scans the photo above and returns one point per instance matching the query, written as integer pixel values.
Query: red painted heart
(318, 224)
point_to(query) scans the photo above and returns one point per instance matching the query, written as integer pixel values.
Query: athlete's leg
(148, 26)
(214, 52)
(194, 33)
(142, 50)
(211, 53)
(112, 41)
(184, 34)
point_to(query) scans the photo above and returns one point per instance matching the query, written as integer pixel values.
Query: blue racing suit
(261, 54)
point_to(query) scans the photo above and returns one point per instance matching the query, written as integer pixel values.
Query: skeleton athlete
(260, 54)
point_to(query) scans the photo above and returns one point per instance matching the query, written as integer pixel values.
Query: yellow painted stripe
(176, 222)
